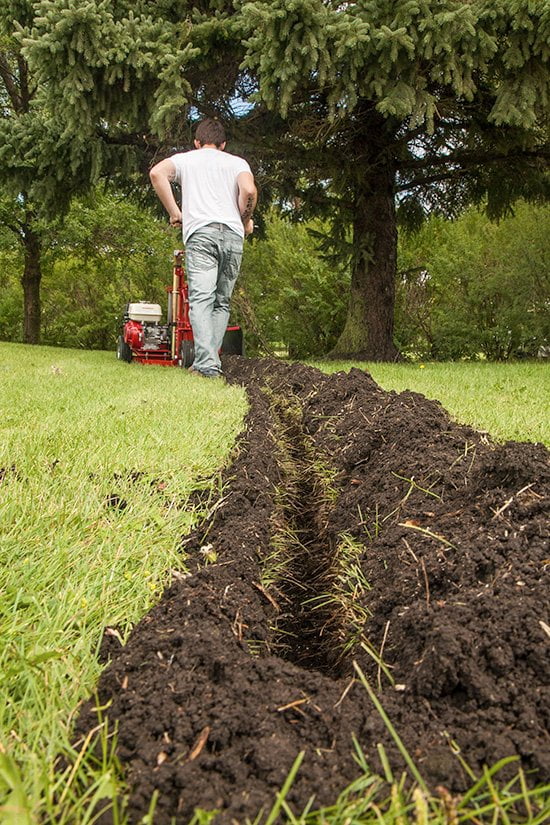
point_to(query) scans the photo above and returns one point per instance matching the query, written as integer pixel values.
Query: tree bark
(30, 280)
(368, 330)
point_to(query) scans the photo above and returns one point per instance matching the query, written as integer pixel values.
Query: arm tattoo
(248, 210)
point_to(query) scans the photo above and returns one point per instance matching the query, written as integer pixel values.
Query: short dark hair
(210, 131)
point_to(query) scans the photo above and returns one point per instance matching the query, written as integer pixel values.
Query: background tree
(298, 298)
(362, 110)
(17, 212)
(106, 252)
(44, 164)
(471, 287)
(10, 287)
(399, 107)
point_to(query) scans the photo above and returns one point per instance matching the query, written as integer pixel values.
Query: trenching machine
(147, 340)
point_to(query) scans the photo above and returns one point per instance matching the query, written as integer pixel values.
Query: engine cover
(144, 312)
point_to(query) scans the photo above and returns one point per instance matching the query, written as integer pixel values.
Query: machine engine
(155, 336)
(142, 327)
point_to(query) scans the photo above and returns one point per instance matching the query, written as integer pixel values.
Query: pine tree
(44, 160)
(17, 212)
(363, 110)
(397, 108)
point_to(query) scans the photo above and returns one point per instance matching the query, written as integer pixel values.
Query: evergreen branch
(9, 82)
(451, 174)
(24, 83)
(466, 159)
(142, 141)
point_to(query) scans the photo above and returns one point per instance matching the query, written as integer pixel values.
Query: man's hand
(175, 218)
(248, 227)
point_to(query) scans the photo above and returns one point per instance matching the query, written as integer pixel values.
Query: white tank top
(209, 189)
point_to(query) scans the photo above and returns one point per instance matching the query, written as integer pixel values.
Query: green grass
(509, 401)
(389, 799)
(97, 463)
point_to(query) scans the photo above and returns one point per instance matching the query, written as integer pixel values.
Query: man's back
(208, 179)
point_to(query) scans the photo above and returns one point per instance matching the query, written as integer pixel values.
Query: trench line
(314, 571)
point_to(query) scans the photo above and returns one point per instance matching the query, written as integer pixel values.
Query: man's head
(210, 132)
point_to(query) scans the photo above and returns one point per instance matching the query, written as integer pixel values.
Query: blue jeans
(213, 257)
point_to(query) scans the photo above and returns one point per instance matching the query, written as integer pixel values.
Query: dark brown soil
(236, 671)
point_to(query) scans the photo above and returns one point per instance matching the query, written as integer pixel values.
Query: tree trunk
(32, 275)
(368, 331)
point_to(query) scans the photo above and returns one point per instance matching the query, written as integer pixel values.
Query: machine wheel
(233, 343)
(187, 353)
(123, 351)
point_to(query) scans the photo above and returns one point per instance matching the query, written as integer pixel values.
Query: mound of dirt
(357, 528)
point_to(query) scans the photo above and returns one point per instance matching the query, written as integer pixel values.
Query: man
(218, 200)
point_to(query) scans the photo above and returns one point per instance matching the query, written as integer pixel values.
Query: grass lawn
(98, 460)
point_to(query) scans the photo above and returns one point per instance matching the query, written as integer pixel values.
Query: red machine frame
(177, 318)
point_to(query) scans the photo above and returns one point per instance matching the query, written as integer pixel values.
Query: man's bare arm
(162, 176)
(248, 196)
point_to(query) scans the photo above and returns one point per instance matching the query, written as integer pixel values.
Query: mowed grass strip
(98, 459)
(508, 401)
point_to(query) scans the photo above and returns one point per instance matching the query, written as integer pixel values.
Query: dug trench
(359, 533)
